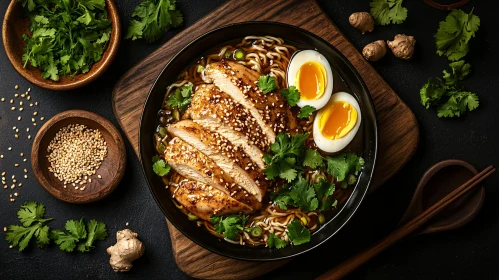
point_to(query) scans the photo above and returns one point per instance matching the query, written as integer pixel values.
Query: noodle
(266, 55)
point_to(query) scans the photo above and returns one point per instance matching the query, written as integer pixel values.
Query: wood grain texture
(398, 128)
(112, 167)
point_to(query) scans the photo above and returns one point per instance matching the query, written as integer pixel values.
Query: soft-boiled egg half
(337, 123)
(310, 72)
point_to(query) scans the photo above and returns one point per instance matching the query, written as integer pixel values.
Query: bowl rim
(375, 143)
(106, 189)
(94, 73)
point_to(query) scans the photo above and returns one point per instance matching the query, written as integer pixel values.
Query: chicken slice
(217, 111)
(270, 110)
(194, 165)
(203, 200)
(231, 159)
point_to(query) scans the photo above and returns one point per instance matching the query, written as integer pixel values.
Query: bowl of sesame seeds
(78, 156)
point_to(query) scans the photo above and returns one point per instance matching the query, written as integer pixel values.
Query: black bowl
(368, 135)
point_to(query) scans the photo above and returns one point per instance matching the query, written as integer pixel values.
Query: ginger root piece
(127, 249)
(402, 46)
(375, 50)
(363, 21)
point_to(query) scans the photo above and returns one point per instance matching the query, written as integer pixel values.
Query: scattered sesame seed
(16, 87)
(4, 228)
(126, 224)
(13, 108)
(99, 176)
(10, 247)
(16, 135)
(29, 98)
(35, 113)
(3, 99)
(24, 160)
(19, 118)
(42, 118)
(20, 103)
(21, 154)
(3, 173)
(31, 104)
(16, 164)
(9, 148)
(29, 89)
(21, 109)
(15, 194)
(32, 119)
(20, 184)
(12, 101)
(16, 95)
(36, 103)
(29, 136)
(27, 129)
(23, 95)
(25, 176)
(1, 156)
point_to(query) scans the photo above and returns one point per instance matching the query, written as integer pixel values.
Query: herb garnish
(76, 235)
(181, 97)
(291, 94)
(267, 83)
(306, 111)
(68, 37)
(313, 159)
(152, 18)
(307, 197)
(345, 166)
(298, 233)
(229, 226)
(159, 166)
(33, 224)
(448, 93)
(388, 11)
(274, 241)
(454, 34)
(286, 151)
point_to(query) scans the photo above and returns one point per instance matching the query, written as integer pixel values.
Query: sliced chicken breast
(217, 111)
(194, 165)
(203, 200)
(231, 159)
(270, 110)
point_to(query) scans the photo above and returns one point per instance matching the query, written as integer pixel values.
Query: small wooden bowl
(111, 170)
(15, 24)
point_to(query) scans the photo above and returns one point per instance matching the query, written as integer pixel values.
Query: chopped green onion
(161, 131)
(351, 179)
(228, 54)
(239, 54)
(304, 221)
(191, 216)
(161, 148)
(256, 231)
(322, 219)
(200, 68)
(176, 114)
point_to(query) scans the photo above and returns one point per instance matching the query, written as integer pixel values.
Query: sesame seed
(29, 98)
(16, 135)
(1, 156)
(20, 185)
(3, 99)
(4, 228)
(16, 164)
(11, 101)
(35, 113)
(29, 136)
(25, 176)
(16, 87)
(24, 160)
(9, 148)
(3, 173)
(99, 176)
(29, 89)
(15, 194)
(22, 154)
(20, 103)
(23, 95)
(13, 108)
(16, 95)
(42, 118)
(19, 118)
(27, 129)
(21, 109)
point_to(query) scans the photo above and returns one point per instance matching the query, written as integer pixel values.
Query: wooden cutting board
(398, 128)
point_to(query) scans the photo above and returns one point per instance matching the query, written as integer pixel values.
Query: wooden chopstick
(351, 264)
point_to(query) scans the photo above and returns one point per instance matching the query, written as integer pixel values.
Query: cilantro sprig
(31, 215)
(306, 111)
(291, 94)
(297, 233)
(267, 83)
(181, 97)
(76, 235)
(67, 37)
(313, 159)
(229, 226)
(285, 158)
(454, 34)
(159, 166)
(152, 18)
(307, 197)
(345, 167)
(388, 11)
(448, 94)
(275, 242)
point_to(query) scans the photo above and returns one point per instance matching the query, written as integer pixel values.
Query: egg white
(336, 145)
(297, 61)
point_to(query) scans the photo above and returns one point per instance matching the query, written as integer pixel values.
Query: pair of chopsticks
(351, 264)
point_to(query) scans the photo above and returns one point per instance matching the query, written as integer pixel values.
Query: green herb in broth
(306, 111)
(285, 153)
(229, 226)
(160, 167)
(344, 166)
(313, 159)
(275, 242)
(291, 94)
(297, 233)
(267, 83)
(181, 97)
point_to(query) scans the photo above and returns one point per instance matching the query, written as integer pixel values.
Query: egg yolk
(311, 80)
(338, 119)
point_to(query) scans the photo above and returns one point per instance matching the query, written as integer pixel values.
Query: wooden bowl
(15, 24)
(111, 170)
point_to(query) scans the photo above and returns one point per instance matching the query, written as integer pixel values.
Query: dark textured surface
(465, 253)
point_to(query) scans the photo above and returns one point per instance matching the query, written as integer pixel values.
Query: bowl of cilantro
(61, 45)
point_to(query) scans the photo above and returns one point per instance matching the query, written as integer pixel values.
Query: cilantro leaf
(454, 34)
(324, 191)
(291, 94)
(229, 226)
(267, 83)
(304, 196)
(286, 152)
(344, 164)
(313, 159)
(298, 233)
(458, 103)
(78, 235)
(431, 92)
(306, 111)
(96, 231)
(388, 11)
(31, 215)
(275, 242)
(152, 18)
(160, 167)
(181, 97)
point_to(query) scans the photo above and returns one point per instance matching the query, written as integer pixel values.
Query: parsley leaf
(160, 167)
(324, 191)
(344, 164)
(448, 94)
(181, 97)
(267, 83)
(31, 214)
(76, 235)
(313, 159)
(454, 34)
(291, 94)
(152, 18)
(298, 233)
(67, 37)
(286, 151)
(303, 195)
(306, 111)
(388, 11)
(307, 197)
(229, 226)
(274, 241)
